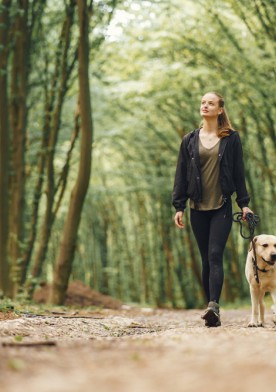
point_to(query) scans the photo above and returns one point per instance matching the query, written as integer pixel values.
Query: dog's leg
(273, 295)
(261, 310)
(254, 292)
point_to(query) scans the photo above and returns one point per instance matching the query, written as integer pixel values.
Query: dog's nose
(273, 257)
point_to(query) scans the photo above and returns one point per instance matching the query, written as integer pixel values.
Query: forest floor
(131, 349)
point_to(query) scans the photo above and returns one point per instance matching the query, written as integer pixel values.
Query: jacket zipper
(225, 199)
(222, 150)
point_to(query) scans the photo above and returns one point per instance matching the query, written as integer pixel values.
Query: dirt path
(137, 350)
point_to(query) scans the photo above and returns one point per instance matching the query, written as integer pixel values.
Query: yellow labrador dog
(265, 246)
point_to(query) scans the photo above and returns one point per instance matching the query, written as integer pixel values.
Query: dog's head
(265, 246)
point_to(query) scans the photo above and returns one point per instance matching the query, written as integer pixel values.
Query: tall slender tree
(4, 145)
(69, 237)
(21, 34)
(53, 112)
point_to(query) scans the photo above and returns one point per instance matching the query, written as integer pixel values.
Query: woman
(209, 170)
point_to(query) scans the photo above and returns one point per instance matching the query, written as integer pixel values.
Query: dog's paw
(252, 324)
(261, 325)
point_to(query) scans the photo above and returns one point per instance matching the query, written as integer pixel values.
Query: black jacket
(187, 182)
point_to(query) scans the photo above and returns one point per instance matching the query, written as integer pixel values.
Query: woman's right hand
(178, 219)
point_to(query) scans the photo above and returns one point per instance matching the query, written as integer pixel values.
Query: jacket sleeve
(239, 176)
(179, 196)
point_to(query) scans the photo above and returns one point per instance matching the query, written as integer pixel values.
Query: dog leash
(252, 221)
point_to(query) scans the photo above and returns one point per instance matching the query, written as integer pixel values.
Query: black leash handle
(252, 221)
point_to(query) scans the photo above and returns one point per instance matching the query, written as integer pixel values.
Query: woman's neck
(210, 125)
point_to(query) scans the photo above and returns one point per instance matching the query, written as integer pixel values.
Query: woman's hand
(245, 211)
(178, 219)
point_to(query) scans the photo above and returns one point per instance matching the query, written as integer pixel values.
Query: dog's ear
(254, 241)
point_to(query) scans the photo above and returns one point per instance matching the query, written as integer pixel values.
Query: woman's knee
(215, 256)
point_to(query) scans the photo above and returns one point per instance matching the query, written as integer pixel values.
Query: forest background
(120, 82)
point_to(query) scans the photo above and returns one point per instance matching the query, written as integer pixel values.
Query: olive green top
(211, 190)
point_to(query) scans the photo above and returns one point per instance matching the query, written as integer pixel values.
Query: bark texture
(18, 121)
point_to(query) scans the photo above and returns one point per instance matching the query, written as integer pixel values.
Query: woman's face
(210, 106)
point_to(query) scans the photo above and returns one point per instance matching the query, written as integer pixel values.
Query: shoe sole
(211, 318)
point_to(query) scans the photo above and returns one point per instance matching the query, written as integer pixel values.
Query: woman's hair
(224, 124)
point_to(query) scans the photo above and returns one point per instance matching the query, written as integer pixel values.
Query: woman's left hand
(245, 211)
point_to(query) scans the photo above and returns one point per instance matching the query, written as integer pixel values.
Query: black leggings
(211, 230)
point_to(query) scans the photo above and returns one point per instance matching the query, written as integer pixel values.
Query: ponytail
(224, 123)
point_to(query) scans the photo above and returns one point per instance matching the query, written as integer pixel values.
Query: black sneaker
(211, 315)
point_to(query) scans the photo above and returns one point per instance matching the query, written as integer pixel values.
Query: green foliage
(6, 305)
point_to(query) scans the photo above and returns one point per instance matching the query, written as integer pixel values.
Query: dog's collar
(262, 269)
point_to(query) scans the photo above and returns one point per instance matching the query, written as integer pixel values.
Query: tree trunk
(4, 148)
(18, 117)
(51, 130)
(69, 237)
(50, 216)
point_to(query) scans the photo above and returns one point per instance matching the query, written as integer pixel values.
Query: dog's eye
(265, 245)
